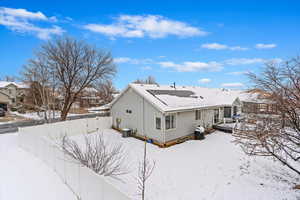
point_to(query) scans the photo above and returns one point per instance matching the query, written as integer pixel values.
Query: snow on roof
(167, 98)
(90, 89)
(115, 95)
(255, 97)
(18, 85)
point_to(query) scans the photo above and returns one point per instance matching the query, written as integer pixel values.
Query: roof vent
(224, 89)
(196, 96)
(174, 85)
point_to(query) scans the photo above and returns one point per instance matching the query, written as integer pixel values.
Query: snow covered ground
(24, 177)
(7, 122)
(211, 169)
(99, 109)
(36, 116)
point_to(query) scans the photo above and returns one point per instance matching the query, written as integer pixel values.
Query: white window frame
(218, 119)
(231, 113)
(200, 115)
(160, 123)
(175, 121)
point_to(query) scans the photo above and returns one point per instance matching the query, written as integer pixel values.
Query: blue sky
(203, 43)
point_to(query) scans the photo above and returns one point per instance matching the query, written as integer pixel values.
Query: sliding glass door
(216, 116)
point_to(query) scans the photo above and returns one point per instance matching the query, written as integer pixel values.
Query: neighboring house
(89, 98)
(258, 102)
(4, 101)
(166, 113)
(12, 93)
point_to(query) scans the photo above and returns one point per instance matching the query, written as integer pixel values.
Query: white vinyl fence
(41, 141)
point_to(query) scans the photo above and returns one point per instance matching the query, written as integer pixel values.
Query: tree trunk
(63, 115)
(66, 108)
(64, 111)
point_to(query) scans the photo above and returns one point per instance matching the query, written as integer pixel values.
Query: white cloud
(22, 13)
(113, 30)
(192, 66)
(232, 84)
(45, 33)
(189, 66)
(195, 66)
(276, 60)
(265, 46)
(244, 61)
(133, 60)
(248, 61)
(20, 20)
(217, 46)
(153, 26)
(122, 60)
(238, 73)
(204, 80)
(238, 48)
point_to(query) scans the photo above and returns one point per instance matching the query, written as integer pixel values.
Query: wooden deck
(225, 129)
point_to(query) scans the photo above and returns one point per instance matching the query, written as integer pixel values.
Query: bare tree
(146, 168)
(277, 136)
(106, 90)
(96, 154)
(10, 78)
(74, 65)
(42, 87)
(148, 80)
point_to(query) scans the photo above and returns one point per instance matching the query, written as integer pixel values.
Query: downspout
(164, 127)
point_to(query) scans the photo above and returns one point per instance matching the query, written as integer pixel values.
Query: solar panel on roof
(178, 93)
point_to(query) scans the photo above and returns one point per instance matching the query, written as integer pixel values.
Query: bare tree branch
(96, 154)
(148, 80)
(277, 136)
(106, 90)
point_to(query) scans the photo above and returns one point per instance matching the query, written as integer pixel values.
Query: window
(158, 123)
(198, 114)
(235, 110)
(227, 112)
(216, 116)
(170, 121)
(128, 111)
(262, 107)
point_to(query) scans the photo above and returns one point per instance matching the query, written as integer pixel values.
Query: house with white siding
(167, 113)
(11, 93)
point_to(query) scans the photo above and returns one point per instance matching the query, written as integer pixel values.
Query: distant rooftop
(6, 83)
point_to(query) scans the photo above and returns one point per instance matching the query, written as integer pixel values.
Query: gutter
(194, 108)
